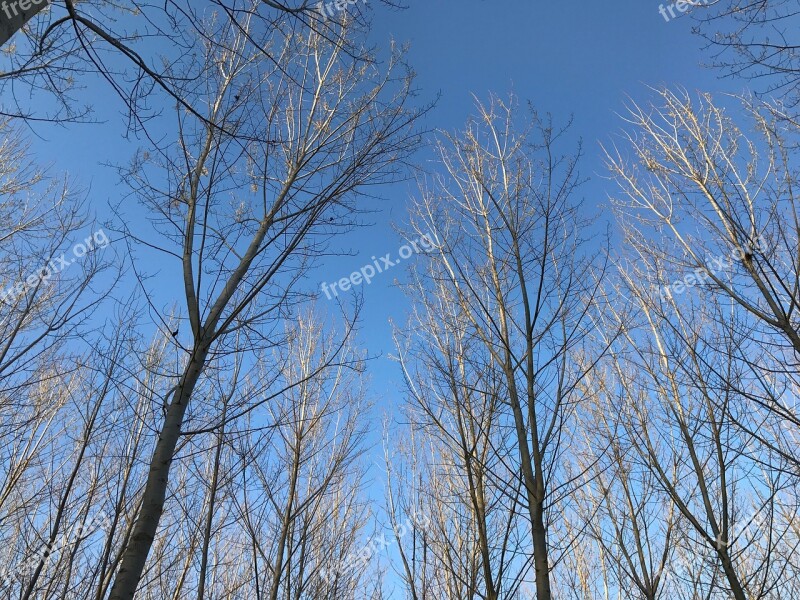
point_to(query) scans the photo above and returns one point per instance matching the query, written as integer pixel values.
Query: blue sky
(571, 58)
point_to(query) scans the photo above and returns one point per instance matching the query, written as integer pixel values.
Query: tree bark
(144, 530)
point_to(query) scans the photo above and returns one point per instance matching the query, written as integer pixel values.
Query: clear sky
(571, 58)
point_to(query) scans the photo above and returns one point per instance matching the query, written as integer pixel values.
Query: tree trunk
(730, 573)
(540, 556)
(144, 530)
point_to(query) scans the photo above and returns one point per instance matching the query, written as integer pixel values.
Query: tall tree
(709, 217)
(512, 265)
(711, 212)
(243, 219)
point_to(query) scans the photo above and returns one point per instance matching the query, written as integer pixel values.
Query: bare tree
(46, 289)
(72, 44)
(270, 505)
(461, 460)
(53, 281)
(305, 476)
(756, 40)
(712, 274)
(242, 219)
(510, 252)
(59, 509)
(622, 507)
(721, 208)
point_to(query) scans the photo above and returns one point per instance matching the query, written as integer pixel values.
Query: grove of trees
(588, 412)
